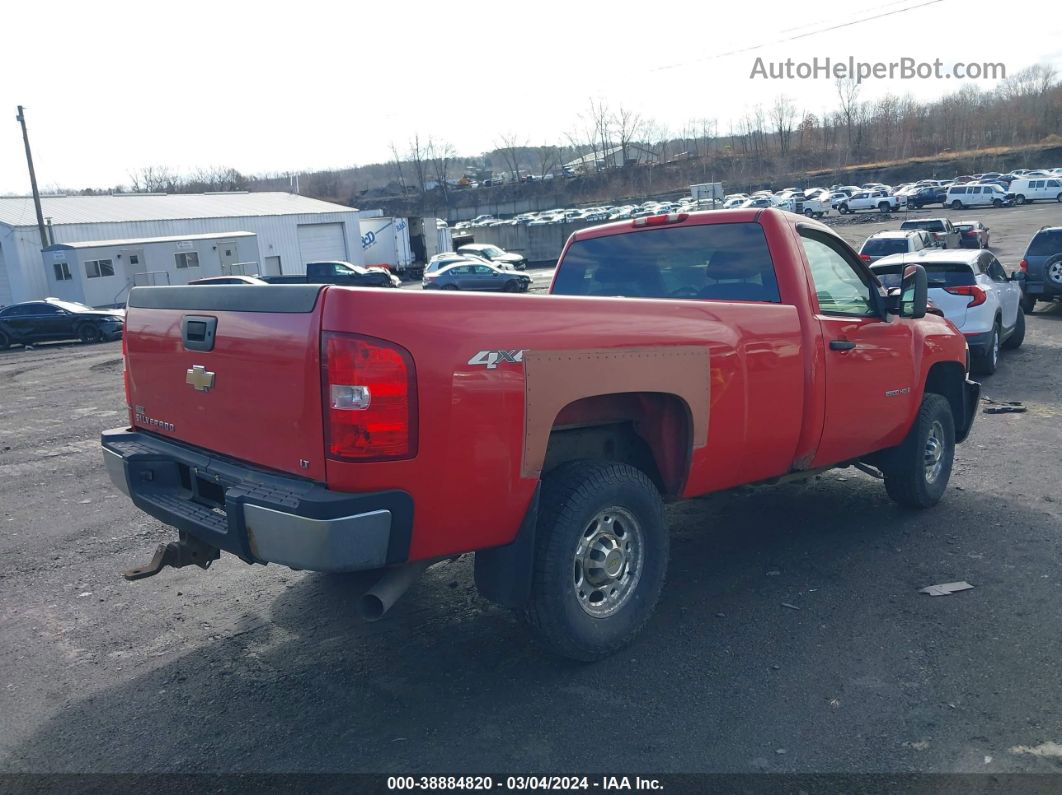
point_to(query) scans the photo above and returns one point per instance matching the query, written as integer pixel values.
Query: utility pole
(21, 118)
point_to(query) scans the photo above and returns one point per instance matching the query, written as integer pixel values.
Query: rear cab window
(707, 262)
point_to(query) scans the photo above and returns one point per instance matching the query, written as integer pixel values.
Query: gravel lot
(265, 669)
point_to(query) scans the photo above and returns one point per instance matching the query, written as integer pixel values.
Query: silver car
(476, 276)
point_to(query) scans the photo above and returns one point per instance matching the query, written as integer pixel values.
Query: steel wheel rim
(607, 564)
(933, 457)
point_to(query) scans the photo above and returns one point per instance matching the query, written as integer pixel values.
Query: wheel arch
(651, 431)
(948, 380)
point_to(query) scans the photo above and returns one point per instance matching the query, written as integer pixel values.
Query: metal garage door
(321, 242)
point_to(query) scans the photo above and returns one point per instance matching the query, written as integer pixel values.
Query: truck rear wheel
(600, 558)
(918, 472)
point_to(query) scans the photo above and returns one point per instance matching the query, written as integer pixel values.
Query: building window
(62, 272)
(189, 260)
(95, 268)
(134, 259)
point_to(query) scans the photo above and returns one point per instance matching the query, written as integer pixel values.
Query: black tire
(1028, 303)
(577, 500)
(1058, 198)
(5, 341)
(908, 478)
(1017, 337)
(843, 209)
(809, 213)
(956, 205)
(885, 207)
(997, 202)
(511, 287)
(449, 287)
(89, 334)
(1019, 199)
(987, 362)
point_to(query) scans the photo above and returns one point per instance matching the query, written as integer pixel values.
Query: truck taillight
(1024, 265)
(977, 295)
(370, 398)
(125, 372)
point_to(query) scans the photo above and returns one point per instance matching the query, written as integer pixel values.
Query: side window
(995, 270)
(62, 271)
(839, 287)
(483, 270)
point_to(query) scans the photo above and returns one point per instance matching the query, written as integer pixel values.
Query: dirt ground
(246, 668)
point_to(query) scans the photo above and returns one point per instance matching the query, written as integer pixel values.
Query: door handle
(841, 345)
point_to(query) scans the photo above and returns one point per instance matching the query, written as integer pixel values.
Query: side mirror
(914, 289)
(1017, 276)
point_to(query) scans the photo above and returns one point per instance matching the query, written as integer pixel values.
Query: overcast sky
(266, 86)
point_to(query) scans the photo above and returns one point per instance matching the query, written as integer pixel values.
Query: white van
(960, 196)
(1029, 190)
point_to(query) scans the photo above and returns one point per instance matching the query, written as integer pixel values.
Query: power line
(760, 46)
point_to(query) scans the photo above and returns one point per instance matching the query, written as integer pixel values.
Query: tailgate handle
(197, 332)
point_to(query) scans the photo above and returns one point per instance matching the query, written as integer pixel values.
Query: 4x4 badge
(491, 359)
(199, 378)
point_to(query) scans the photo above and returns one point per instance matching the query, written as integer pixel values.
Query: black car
(52, 319)
(928, 195)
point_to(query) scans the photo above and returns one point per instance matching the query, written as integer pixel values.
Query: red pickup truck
(340, 429)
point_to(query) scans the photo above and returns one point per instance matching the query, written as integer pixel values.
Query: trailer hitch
(185, 551)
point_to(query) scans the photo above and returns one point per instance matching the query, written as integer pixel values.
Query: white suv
(973, 291)
(901, 241)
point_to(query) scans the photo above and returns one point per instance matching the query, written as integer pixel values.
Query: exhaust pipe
(389, 589)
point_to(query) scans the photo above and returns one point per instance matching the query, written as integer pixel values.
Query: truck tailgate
(232, 369)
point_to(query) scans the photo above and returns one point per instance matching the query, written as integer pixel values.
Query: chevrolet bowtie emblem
(199, 378)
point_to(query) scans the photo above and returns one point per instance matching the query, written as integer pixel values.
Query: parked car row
(972, 288)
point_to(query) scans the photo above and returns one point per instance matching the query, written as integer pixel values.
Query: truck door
(868, 362)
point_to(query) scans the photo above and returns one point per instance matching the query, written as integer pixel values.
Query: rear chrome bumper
(261, 516)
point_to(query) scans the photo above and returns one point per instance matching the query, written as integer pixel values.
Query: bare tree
(783, 113)
(418, 157)
(848, 94)
(510, 146)
(396, 164)
(629, 126)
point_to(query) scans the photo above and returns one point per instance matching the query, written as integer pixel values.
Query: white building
(100, 272)
(291, 230)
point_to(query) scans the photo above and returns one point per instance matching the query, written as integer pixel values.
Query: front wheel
(1019, 199)
(920, 467)
(89, 334)
(449, 287)
(885, 207)
(1028, 303)
(5, 341)
(511, 287)
(601, 552)
(844, 209)
(997, 202)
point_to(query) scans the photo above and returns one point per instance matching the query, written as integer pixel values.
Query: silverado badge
(200, 379)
